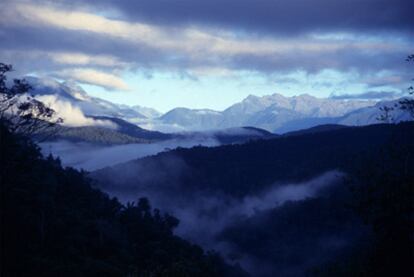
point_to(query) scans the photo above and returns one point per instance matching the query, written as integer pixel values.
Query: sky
(210, 54)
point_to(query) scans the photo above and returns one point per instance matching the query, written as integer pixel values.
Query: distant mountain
(275, 113)
(94, 135)
(192, 119)
(280, 114)
(304, 104)
(148, 112)
(370, 115)
(270, 112)
(68, 95)
(126, 133)
(133, 130)
(123, 133)
(233, 135)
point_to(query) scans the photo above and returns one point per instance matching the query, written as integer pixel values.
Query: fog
(91, 157)
(208, 215)
(72, 115)
(205, 215)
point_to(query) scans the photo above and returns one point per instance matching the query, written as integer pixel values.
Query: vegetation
(246, 169)
(91, 134)
(408, 103)
(405, 104)
(19, 112)
(362, 228)
(383, 197)
(54, 223)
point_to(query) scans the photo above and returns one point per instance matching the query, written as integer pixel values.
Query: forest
(54, 223)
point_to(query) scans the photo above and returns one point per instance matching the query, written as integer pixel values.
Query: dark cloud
(20, 46)
(143, 57)
(28, 45)
(313, 62)
(369, 95)
(287, 17)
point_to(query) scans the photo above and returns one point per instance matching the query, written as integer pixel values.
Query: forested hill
(55, 224)
(240, 170)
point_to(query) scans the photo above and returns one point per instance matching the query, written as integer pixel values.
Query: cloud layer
(96, 44)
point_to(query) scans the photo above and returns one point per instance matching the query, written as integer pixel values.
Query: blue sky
(167, 90)
(211, 54)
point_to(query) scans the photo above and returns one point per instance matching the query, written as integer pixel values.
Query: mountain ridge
(275, 113)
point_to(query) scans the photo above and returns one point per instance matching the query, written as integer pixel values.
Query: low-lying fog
(204, 214)
(214, 220)
(91, 157)
(245, 229)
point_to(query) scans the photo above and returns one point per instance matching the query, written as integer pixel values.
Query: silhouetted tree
(408, 103)
(54, 223)
(20, 112)
(383, 197)
(386, 114)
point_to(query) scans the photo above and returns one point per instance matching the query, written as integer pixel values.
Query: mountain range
(274, 113)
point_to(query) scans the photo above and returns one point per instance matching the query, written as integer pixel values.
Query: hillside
(295, 205)
(242, 169)
(54, 223)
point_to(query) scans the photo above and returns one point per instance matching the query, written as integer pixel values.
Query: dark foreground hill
(243, 169)
(53, 223)
(273, 205)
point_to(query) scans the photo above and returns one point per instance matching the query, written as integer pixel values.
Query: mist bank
(217, 221)
(88, 156)
(93, 148)
(279, 207)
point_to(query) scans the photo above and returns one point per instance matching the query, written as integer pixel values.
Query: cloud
(281, 17)
(83, 59)
(80, 21)
(199, 45)
(94, 77)
(369, 95)
(90, 157)
(65, 36)
(189, 40)
(384, 81)
(72, 116)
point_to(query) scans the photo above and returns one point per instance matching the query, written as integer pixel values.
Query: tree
(386, 114)
(56, 223)
(406, 104)
(20, 112)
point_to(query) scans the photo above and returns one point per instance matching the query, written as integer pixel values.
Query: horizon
(251, 138)
(211, 55)
(380, 98)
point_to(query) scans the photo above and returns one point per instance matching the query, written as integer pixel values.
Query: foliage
(408, 103)
(54, 223)
(383, 196)
(250, 168)
(91, 134)
(322, 234)
(21, 113)
(386, 114)
(405, 104)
